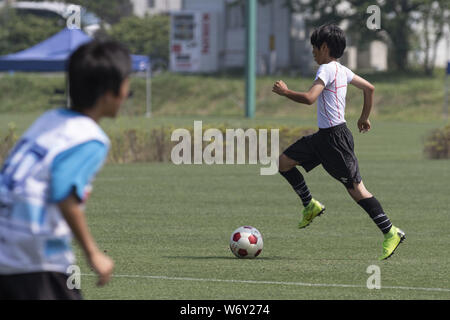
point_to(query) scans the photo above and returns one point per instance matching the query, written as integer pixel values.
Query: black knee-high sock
(375, 211)
(296, 180)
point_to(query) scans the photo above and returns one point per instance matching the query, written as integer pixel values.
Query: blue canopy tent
(51, 55)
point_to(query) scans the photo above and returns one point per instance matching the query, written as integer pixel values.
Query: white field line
(300, 284)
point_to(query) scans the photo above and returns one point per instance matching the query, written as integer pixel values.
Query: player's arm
(308, 97)
(76, 219)
(71, 173)
(368, 90)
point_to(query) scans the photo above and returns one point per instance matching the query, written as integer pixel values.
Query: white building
(283, 40)
(228, 27)
(151, 7)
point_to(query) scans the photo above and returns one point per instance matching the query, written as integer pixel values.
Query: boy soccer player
(332, 146)
(47, 178)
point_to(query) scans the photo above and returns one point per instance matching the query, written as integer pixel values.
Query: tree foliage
(19, 31)
(433, 16)
(147, 36)
(397, 17)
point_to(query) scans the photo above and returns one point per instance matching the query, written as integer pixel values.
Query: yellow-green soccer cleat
(312, 210)
(392, 239)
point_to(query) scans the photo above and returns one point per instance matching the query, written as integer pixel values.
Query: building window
(235, 16)
(183, 27)
(150, 3)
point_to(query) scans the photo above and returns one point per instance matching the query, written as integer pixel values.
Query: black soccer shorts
(333, 148)
(37, 286)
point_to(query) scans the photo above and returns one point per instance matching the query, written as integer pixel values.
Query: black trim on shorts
(37, 286)
(333, 148)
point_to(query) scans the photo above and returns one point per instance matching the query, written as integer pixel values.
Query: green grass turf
(175, 221)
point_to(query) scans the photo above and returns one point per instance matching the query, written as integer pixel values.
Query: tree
(147, 36)
(396, 20)
(19, 31)
(434, 15)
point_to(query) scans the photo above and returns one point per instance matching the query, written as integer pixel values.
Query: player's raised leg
(312, 207)
(393, 236)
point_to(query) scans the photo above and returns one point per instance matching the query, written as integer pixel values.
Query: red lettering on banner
(176, 48)
(205, 33)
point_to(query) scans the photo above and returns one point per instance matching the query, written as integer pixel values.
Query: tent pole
(148, 92)
(67, 92)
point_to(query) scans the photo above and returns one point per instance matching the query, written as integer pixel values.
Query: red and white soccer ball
(246, 242)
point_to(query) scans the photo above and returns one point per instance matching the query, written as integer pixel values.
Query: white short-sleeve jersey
(331, 102)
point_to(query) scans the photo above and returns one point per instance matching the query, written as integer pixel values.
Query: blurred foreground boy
(47, 178)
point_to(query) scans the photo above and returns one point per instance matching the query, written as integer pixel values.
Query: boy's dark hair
(333, 36)
(94, 69)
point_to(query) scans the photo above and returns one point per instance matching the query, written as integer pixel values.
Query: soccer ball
(246, 242)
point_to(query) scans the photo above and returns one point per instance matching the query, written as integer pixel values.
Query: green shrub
(437, 144)
(138, 145)
(155, 145)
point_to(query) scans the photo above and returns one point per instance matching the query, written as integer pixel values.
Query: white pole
(447, 71)
(148, 91)
(447, 84)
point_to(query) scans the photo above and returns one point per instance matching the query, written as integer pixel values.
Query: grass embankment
(399, 97)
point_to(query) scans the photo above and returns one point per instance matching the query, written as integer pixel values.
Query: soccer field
(167, 227)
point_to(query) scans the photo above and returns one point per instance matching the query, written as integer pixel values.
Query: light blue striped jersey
(58, 155)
